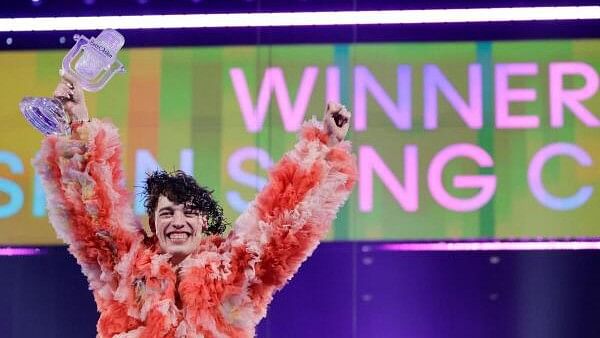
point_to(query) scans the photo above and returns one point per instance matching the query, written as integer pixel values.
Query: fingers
(336, 121)
(68, 79)
(67, 89)
(342, 117)
(71, 95)
(332, 107)
(64, 92)
(338, 114)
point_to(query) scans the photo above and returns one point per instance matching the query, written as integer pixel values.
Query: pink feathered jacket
(224, 288)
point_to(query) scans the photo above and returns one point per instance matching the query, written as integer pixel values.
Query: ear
(204, 223)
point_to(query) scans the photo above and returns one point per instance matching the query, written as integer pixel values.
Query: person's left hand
(336, 121)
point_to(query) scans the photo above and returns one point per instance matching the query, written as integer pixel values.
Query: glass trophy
(92, 63)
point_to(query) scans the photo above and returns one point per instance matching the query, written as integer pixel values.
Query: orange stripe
(144, 103)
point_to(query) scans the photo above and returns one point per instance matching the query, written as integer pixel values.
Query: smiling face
(178, 228)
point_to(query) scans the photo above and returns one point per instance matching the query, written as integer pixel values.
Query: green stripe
(207, 83)
(113, 100)
(341, 58)
(176, 91)
(485, 137)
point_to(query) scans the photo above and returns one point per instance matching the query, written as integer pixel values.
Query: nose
(178, 220)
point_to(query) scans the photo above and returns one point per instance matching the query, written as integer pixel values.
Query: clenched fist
(336, 121)
(70, 93)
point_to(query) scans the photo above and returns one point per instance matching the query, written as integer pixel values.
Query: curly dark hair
(182, 188)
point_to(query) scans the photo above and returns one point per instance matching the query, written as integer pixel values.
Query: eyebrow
(165, 209)
(170, 208)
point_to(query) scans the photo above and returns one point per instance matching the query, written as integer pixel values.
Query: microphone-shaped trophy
(92, 63)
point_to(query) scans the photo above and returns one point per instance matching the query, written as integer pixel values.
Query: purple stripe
(490, 246)
(22, 251)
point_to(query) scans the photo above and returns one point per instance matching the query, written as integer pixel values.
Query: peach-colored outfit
(221, 290)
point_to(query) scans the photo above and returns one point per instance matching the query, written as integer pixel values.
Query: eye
(192, 213)
(165, 213)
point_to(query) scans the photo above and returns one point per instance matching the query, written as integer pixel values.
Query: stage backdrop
(453, 140)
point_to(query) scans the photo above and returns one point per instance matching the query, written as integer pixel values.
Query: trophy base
(46, 114)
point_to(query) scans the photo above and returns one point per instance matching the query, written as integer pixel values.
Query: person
(187, 279)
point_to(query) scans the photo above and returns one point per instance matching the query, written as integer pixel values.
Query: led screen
(468, 140)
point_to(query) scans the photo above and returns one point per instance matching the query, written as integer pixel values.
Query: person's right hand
(70, 93)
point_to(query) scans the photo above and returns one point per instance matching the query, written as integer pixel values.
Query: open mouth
(340, 120)
(178, 236)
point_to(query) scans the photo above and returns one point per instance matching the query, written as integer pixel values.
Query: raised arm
(88, 204)
(289, 217)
